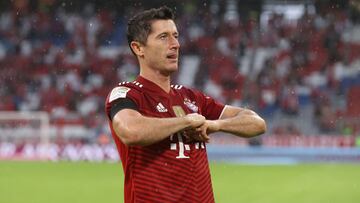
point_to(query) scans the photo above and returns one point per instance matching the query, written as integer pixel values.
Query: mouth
(172, 56)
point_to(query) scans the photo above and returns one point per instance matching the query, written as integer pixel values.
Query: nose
(174, 43)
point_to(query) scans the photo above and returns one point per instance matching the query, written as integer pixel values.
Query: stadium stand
(301, 74)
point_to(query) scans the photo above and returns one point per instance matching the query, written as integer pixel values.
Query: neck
(161, 79)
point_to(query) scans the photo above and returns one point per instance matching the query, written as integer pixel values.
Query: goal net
(27, 126)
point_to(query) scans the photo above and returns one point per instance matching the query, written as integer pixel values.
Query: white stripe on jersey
(177, 87)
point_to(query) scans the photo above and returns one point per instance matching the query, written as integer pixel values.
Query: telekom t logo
(179, 112)
(183, 147)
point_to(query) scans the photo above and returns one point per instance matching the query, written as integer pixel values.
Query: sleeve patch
(118, 92)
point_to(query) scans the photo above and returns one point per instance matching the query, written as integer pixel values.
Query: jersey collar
(153, 87)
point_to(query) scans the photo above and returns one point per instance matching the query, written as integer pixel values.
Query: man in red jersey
(160, 129)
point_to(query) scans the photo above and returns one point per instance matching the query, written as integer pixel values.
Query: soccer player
(160, 129)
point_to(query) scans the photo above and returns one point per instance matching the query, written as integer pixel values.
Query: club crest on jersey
(191, 105)
(118, 92)
(161, 108)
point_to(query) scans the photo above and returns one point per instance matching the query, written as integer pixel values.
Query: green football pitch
(44, 182)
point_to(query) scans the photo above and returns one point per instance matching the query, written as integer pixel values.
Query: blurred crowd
(71, 151)
(66, 62)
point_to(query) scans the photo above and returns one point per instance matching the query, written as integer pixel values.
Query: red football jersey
(174, 169)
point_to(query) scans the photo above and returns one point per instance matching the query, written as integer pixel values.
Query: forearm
(135, 129)
(147, 130)
(245, 124)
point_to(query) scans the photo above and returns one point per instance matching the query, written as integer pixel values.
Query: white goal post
(30, 124)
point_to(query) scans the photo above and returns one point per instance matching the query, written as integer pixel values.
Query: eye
(162, 37)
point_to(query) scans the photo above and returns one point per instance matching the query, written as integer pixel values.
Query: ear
(137, 48)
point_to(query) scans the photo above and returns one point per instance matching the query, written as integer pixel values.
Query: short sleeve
(121, 93)
(210, 108)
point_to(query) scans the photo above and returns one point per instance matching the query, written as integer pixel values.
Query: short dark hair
(139, 26)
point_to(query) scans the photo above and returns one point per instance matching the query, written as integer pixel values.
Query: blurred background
(296, 63)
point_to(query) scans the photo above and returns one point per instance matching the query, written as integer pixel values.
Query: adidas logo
(161, 108)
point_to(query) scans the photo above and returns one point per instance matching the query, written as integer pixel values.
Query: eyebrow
(174, 33)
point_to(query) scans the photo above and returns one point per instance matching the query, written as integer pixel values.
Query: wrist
(186, 121)
(218, 124)
(214, 125)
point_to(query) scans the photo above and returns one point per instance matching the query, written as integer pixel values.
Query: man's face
(161, 51)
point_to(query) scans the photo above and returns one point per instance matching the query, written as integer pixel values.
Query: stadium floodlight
(25, 125)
